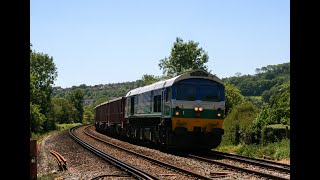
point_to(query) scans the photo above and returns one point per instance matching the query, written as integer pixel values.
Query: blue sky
(110, 41)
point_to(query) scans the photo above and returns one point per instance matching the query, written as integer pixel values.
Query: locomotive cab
(197, 113)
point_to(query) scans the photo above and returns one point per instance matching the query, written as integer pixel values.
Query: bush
(237, 124)
(274, 133)
(233, 97)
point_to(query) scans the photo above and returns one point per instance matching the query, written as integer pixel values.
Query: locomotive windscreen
(199, 89)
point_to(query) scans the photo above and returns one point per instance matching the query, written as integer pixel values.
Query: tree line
(46, 110)
(261, 83)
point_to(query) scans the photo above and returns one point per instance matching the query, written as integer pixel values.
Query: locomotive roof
(168, 82)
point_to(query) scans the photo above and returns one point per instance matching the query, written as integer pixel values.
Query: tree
(36, 118)
(184, 57)
(43, 73)
(266, 78)
(280, 105)
(88, 116)
(277, 112)
(233, 96)
(76, 97)
(149, 79)
(63, 111)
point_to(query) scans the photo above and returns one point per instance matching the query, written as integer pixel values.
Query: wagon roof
(118, 98)
(168, 82)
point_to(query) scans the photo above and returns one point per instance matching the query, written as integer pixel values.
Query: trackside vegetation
(259, 125)
(59, 127)
(47, 112)
(277, 151)
(257, 115)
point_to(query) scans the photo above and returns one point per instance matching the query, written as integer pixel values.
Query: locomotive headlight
(219, 114)
(196, 108)
(177, 113)
(200, 108)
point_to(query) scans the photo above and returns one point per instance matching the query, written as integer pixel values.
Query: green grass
(39, 137)
(277, 151)
(50, 176)
(60, 127)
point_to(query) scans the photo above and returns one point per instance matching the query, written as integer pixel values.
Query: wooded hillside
(264, 83)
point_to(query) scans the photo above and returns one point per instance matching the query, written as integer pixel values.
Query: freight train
(184, 112)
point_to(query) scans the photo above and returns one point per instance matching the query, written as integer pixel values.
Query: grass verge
(279, 151)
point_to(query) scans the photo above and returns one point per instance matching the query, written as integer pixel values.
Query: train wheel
(217, 140)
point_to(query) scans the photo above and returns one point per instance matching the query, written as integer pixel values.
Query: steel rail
(148, 158)
(262, 162)
(237, 167)
(126, 167)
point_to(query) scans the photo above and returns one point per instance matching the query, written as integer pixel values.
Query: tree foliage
(149, 79)
(260, 83)
(237, 124)
(63, 111)
(96, 92)
(43, 73)
(266, 95)
(280, 105)
(233, 96)
(91, 106)
(76, 97)
(277, 112)
(88, 115)
(276, 69)
(184, 57)
(36, 118)
(256, 100)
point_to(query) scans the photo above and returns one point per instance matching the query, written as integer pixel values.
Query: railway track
(236, 166)
(122, 165)
(157, 162)
(268, 167)
(260, 162)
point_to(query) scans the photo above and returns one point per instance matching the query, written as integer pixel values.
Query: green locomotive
(184, 112)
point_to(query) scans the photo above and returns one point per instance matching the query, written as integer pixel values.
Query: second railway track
(177, 167)
(260, 162)
(269, 169)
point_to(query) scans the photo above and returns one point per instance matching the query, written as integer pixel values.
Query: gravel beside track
(81, 163)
